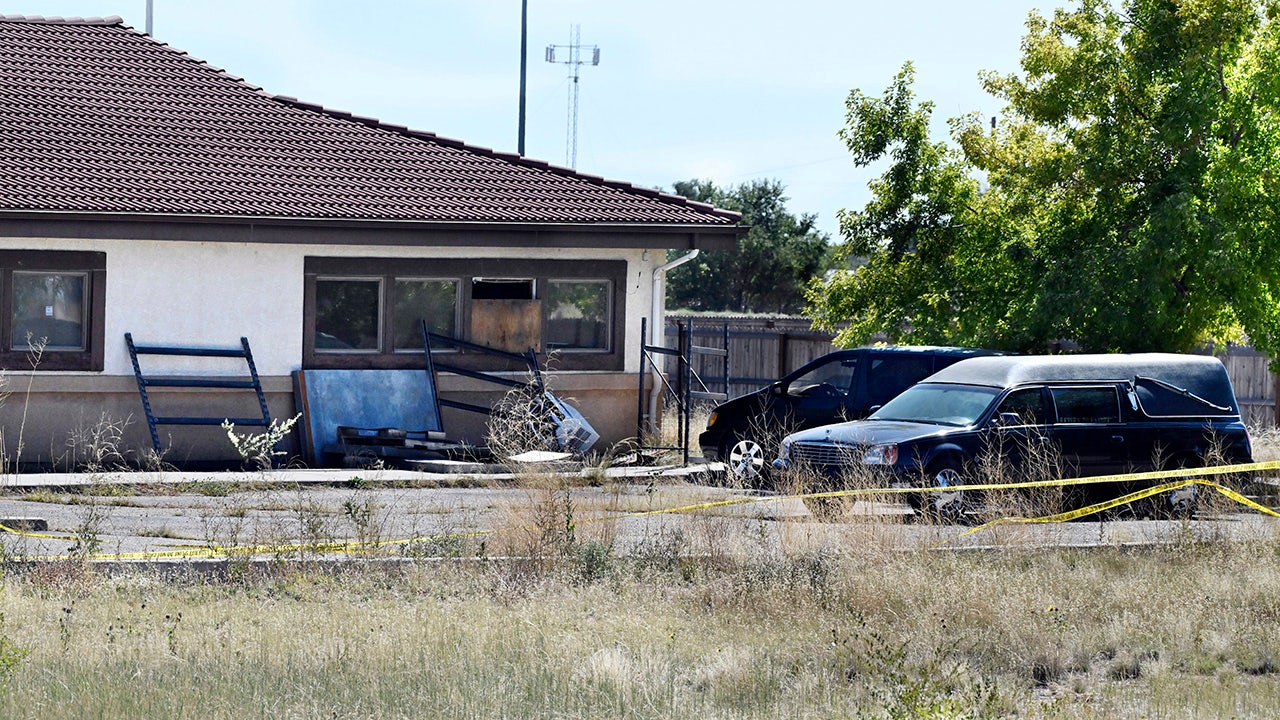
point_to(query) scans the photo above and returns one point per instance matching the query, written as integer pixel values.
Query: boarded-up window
(511, 325)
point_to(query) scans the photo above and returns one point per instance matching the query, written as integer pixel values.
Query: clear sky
(725, 90)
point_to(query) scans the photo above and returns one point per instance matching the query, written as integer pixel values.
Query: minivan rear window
(890, 374)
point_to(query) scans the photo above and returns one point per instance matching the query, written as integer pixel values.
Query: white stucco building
(144, 191)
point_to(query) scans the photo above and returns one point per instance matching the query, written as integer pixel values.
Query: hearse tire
(953, 506)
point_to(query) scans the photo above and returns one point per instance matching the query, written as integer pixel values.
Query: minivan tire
(745, 461)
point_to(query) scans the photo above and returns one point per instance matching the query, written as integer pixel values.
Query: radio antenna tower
(574, 62)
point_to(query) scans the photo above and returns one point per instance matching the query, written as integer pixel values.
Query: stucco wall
(209, 293)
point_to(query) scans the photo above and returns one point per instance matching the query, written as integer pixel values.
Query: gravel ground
(153, 516)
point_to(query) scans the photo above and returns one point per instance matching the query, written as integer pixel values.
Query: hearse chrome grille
(820, 454)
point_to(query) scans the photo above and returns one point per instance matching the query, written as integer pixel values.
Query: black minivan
(1100, 414)
(844, 385)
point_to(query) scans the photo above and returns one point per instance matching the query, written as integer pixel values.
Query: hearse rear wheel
(1183, 502)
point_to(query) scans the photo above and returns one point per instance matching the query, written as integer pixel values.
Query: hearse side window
(1027, 404)
(1087, 404)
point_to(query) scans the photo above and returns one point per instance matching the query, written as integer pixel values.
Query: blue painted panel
(402, 399)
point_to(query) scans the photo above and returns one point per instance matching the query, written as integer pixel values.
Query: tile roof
(96, 117)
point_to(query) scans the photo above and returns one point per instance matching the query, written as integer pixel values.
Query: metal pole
(524, 66)
(149, 34)
(725, 340)
(571, 139)
(644, 356)
(686, 379)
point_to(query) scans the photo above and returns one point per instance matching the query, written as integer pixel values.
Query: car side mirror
(1009, 418)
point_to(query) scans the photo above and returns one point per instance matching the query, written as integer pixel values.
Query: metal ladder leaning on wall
(236, 383)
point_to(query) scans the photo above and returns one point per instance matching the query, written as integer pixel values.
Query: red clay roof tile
(97, 117)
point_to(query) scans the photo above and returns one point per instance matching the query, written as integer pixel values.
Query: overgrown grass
(548, 614)
(1170, 632)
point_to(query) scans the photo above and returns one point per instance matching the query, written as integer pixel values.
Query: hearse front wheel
(953, 503)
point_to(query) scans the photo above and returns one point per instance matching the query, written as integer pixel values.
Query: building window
(502, 288)
(435, 301)
(53, 307)
(367, 312)
(348, 313)
(577, 315)
(48, 310)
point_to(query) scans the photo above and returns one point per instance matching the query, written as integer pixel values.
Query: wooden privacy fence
(760, 350)
(763, 349)
(1254, 384)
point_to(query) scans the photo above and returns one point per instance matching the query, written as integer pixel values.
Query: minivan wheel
(744, 461)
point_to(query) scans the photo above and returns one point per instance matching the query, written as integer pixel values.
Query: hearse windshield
(938, 404)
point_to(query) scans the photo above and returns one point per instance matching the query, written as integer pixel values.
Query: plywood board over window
(511, 325)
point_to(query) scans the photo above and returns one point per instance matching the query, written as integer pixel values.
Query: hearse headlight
(881, 455)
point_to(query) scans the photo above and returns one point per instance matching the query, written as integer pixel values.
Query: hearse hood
(870, 432)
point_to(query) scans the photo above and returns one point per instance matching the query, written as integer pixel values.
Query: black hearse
(843, 385)
(1101, 413)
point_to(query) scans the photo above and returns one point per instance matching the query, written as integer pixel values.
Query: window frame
(82, 321)
(93, 267)
(462, 270)
(381, 320)
(608, 321)
(457, 307)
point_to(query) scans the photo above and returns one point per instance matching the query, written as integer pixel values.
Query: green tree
(770, 268)
(1130, 201)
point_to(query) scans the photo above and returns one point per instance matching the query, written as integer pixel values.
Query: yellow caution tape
(1092, 480)
(1070, 515)
(26, 533)
(1191, 475)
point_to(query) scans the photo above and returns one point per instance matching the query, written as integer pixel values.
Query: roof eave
(347, 231)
